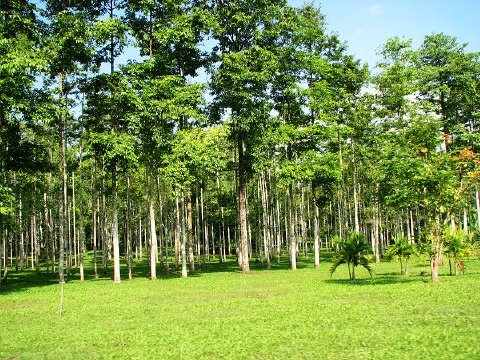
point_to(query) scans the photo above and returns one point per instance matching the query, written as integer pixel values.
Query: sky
(367, 24)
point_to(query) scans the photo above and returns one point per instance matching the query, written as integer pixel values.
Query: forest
(178, 132)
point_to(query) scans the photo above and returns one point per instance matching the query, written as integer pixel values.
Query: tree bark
(205, 226)
(242, 200)
(316, 236)
(189, 224)
(62, 188)
(115, 240)
(183, 238)
(153, 240)
(291, 229)
(129, 231)
(434, 264)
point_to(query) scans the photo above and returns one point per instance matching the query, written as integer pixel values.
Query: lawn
(220, 313)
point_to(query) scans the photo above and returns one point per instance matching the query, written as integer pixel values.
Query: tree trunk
(47, 231)
(177, 233)
(291, 229)
(115, 240)
(189, 224)
(36, 240)
(62, 187)
(205, 226)
(265, 219)
(74, 223)
(183, 238)
(242, 203)
(437, 255)
(103, 222)
(160, 221)
(434, 264)
(316, 236)
(96, 207)
(129, 231)
(153, 236)
(303, 225)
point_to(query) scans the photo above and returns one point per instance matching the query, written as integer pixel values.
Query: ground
(220, 313)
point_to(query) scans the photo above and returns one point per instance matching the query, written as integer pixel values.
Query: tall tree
(247, 34)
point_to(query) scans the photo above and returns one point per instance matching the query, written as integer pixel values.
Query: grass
(222, 314)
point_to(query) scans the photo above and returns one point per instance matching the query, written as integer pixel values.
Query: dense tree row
(236, 127)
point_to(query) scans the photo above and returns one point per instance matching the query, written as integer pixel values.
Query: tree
(111, 127)
(169, 33)
(402, 249)
(352, 252)
(247, 36)
(449, 82)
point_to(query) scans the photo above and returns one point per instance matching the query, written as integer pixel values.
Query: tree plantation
(147, 139)
(233, 142)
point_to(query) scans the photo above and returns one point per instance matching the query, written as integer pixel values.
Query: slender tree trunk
(279, 224)
(62, 187)
(437, 255)
(22, 235)
(115, 238)
(303, 226)
(46, 228)
(198, 233)
(140, 237)
(129, 231)
(160, 222)
(74, 219)
(316, 235)
(191, 257)
(291, 229)
(103, 223)
(69, 238)
(96, 206)
(183, 239)
(205, 226)
(242, 199)
(355, 204)
(153, 241)
(434, 264)
(177, 233)
(36, 240)
(265, 212)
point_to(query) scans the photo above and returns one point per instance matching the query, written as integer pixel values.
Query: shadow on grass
(375, 280)
(18, 281)
(22, 281)
(27, 279)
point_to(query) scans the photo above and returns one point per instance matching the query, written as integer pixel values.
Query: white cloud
(374, 10)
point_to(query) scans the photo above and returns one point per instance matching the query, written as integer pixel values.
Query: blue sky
(367, 24)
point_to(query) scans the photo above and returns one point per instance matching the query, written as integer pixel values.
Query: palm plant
(457, 245)
(352, 252)
(402, 249)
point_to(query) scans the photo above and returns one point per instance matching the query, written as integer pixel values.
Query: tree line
(235, 128)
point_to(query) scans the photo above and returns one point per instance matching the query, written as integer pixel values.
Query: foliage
(352, 251)
(458, 245)
(403, 249)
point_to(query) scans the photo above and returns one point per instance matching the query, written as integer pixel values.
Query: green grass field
(220, 313)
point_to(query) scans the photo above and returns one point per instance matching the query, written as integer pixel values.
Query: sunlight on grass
(278, 314)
